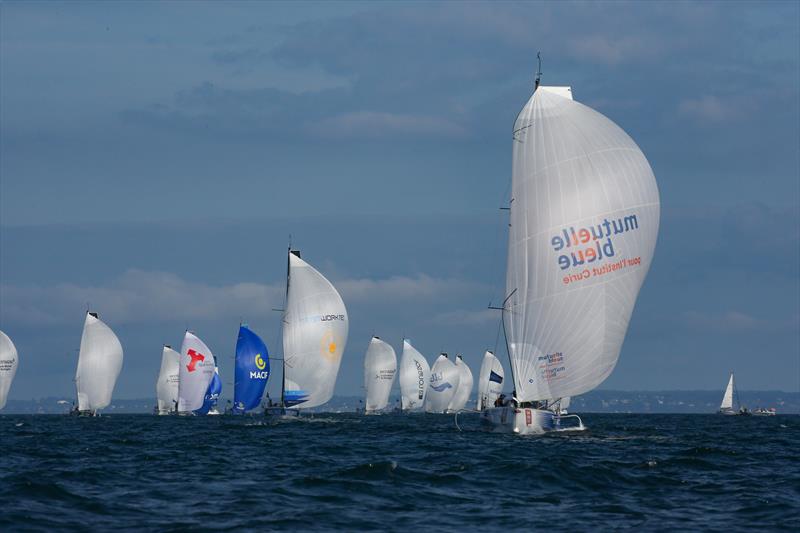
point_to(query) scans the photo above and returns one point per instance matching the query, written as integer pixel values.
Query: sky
(157, 157)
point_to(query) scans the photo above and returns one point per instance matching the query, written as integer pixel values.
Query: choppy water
(410, 473)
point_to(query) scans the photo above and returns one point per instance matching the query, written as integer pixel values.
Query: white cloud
(708, 108)
(372, 124)
(467, 318)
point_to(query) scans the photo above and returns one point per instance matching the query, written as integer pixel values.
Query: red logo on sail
(195, 358)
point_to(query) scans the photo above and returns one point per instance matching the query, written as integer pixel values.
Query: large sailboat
(315, 327)
(490, 381)
(8, 366)
(415, 373)
(380, 366)
(730, 401)
(167, 384)
(584, 216)
(197, 369)
(252, 371)
(99, 365)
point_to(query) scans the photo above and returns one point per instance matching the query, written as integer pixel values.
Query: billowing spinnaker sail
(167, 386)
(314, 336)
(8, 366)
(727, 400)
(415, 374)
(252, 370)
(490, 381)
(443, 384)
(584, 221)
(212, 393)
(99, 364)
(196, 372)
(380, 366)
(465, 382)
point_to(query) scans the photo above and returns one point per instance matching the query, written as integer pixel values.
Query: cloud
(734, 321)
(709, 108)
(371, 125)
(467, 317)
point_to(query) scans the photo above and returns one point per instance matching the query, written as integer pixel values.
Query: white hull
(525, 420)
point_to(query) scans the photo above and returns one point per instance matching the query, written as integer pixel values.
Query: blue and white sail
(490, 381)
(252, 371)
(211, 397)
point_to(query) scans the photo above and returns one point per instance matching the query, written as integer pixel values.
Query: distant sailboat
(196, 372)
(465, 382)
(380, 366)
(415, 374)
(490, 381)
(252, 371)
(730, 401)
(8, 366)
(315, 327)
(99, 365)
(445, 376)
(584, 218)
(167, 384)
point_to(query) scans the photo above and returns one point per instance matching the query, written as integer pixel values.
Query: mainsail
(196, 372)
(490, 381)
(465, 382)
(8, 366)
(252, 370)
(443, 384)
(99, 364)
(167, 385)
(380, 366)
(314, 336)
(414, 377)
(727, 399)
(584, 221)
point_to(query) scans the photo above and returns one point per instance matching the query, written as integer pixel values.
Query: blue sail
(252, 371)
(212, 393)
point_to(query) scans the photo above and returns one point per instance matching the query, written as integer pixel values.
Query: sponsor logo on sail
(260, 363)
(195, 357)
(328, 318)
(421, 380)
(443, 387)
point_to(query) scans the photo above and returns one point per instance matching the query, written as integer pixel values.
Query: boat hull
(520, 420)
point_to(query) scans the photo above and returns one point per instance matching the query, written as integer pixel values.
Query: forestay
(414, 377)
(168, 377)
(8, 366)
(490, 381)
(380, 366)
(99, 364)
(464, 389)
(314, 336)
(443, 384)
(584, 220)
(196, 372)
(252, 370)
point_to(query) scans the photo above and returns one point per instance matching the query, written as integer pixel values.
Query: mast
(283, 321)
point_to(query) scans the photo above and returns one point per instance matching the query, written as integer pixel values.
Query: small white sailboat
(380, 366)
(415, 374)
(730, 401)
(465, 382)
(99, 366)
(167, 384)
(490, 381)
(315, 327)
(445, 376)
(584, 218)
(8, 366)
(195, 373)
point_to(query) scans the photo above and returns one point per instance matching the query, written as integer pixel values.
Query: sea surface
(397, 473)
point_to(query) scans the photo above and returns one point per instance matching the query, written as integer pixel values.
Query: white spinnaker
(465, 382)
(8, 366)
(99, 364)
(488, 386)
(415, 375)
(579, 182)
(168, 379)
(314, 336)
(443, 384)
(380, 366)
(564, 402)
(195, 373)
(727, 400)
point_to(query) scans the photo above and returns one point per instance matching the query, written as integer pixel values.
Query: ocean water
(397, 473)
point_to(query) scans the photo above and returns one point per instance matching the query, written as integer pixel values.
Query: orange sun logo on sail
(328, 345)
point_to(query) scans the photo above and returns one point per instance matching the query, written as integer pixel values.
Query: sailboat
(490, 381)
(8, 366)
(315, 327)
(584, 216)
(465, 382)
(99, 365)
(211, 397)
(730, 401)
(445, 376)
(167, 384)
(252, 371)
(414, 377)
(380, 366)
(197, 369)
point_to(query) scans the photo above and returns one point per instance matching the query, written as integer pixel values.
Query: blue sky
(155, 158)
